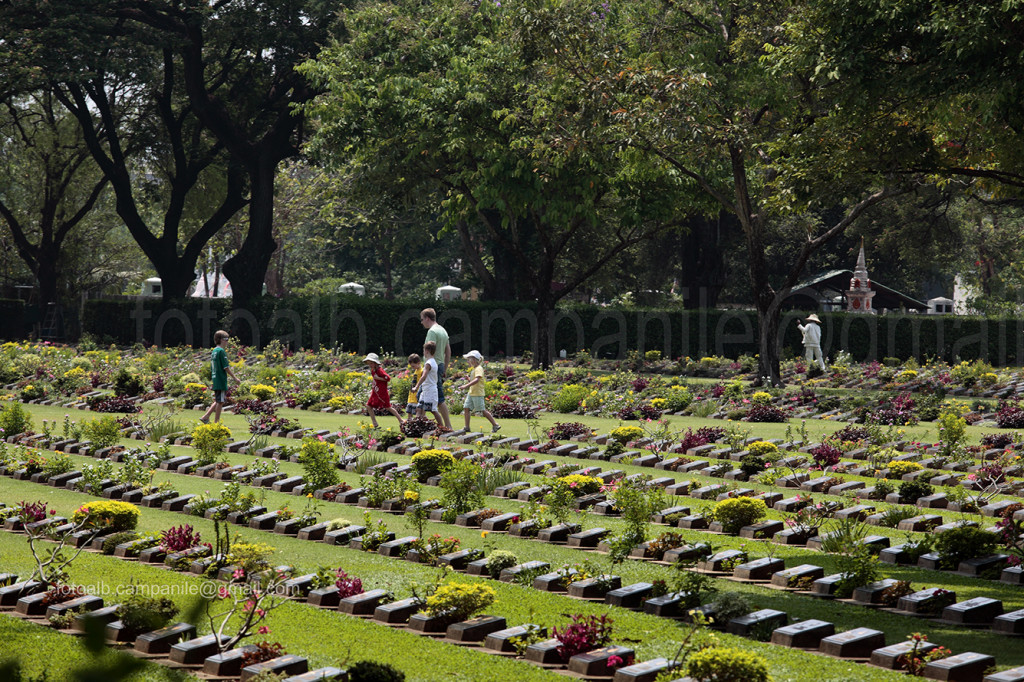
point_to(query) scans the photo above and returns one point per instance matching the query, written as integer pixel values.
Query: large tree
(48, 184)
(698, 86)
(174, 185)
(450, 96)
(238, 63)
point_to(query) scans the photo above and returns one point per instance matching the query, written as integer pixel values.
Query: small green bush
(139, 613)
(318, 464)
(737, 512)
(722, 664)
(431, 462)
(15, 419)
(103, 432)
(209, 440)
(460, 601)
(499, 560)
(371, 671)
(569, 398)
(113, 514)
(959, 544)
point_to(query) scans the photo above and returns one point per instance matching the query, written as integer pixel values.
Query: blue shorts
(220, 396)
(410, 408)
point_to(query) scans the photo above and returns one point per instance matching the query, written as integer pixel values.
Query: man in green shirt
(220, 368)
(443, 355)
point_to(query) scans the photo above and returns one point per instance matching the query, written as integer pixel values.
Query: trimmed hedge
(12, 319)
(365, 324)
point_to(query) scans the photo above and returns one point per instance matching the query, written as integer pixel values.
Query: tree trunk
(47, 274)
(175, 275)
(247, 269)
(768, 369)
(542, 354)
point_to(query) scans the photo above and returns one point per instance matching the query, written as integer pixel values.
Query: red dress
(379, 398)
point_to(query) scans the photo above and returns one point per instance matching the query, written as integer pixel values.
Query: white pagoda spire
(858, 298)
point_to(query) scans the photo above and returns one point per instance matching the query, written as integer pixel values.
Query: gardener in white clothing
(812, 340)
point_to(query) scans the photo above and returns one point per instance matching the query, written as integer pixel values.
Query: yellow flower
(309, 495)
(483, 533)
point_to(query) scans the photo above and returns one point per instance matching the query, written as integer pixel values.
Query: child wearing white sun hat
(475, 398)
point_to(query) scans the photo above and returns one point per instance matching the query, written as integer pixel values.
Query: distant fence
(361, 325)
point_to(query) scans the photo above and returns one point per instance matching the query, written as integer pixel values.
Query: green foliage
(499, 560)
(140, 613)
(103, 432)
(209, 441)
(459, 601)
(568, 399)
(112, 514)
(962, 543)
(737, 512)
(636, 503)
(318, 464)
(625, 434)
(721, 664)
(431, 462)
(372, 671)
(15, 419)
(461, 489)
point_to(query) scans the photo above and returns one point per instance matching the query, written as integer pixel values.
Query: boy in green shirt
(220, 368)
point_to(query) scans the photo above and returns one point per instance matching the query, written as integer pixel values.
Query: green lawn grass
(650, 636)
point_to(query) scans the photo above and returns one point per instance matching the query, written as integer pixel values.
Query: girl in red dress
(379, 398)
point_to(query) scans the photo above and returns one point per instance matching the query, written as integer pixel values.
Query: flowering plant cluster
(583, 634)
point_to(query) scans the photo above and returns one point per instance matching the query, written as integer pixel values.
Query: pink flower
(264, 630)
(238, 574)
(614, 661)
(222, 593)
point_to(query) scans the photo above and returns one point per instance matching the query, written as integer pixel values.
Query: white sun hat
(372, 357)
(475, 354)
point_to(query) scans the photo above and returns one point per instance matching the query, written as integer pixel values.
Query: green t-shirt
(439, 335)
(218, 369)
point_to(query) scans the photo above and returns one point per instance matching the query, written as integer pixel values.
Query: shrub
(751, 465)
(569, 398)
(962, 543)
(113, 514)
(417, 427)
(723, 664)
(506, 408)
(582, 485)
(139, 613)
(912, 491)
(997, 440)
(737, 512)
(826, 455)
(731, 605)
(499, 560)
(765, 414)
(459, 601)
(179, 538)
(347, 585)
(251, 557)
(1010, 416)
(625, 434)
(566, 430)
(209, 440)
(110, 542)
(461, 489)
(372, 671)
(431, 462)
(128, 383)
(103, 432)
(15, 419)
(677, 399)
(762, 448)
(761, 398)
(901, 469)
(318, 463)
(263, 391)
(851, 433)
(584, 634)
(113, 405)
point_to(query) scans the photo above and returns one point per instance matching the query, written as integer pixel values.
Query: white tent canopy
(352, 288)
(448, 293)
